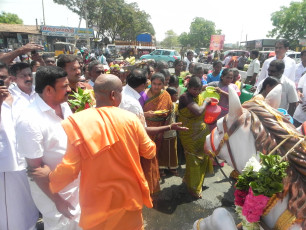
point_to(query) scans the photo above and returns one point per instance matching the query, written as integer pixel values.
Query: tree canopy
(200, 31)
(112, 18)
(289, 22)
(171, 40)
(10, 18)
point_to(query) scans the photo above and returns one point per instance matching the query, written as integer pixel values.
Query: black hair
(46, 55)
(92, 64)
(171, 91)
(18, 67)
(165, 72)
(159, 65)
(271, 81)
(279, 64)
(198, 68)
(33, 63)
(255, 53)
(226, 71)
(159, 76)
(66, 58)
(177, 62)
(47, 75)
(195, 82)
(285, 42)
(189, 52)
(302, 53)
(136, 78)
(173, 80)
(216, 63)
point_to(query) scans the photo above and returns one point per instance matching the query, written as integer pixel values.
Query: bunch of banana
(131, 60)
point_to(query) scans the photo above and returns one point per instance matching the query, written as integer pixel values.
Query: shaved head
(108, 89)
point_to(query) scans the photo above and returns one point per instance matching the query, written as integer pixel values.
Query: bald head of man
(108, 90)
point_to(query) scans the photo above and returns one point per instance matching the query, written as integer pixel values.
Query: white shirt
(39, 134)
(130, 100)
(289, 71)
(227, 60)
(300, 69)
(254, 67)
(21, 100)
(188, 62)
(299, 114)
(289, 93)
(9, 158)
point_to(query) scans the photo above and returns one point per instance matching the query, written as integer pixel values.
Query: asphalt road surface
(176, 209)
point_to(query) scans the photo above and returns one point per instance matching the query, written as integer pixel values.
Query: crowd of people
(95, 169)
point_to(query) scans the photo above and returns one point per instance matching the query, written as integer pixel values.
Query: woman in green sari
(191, 114)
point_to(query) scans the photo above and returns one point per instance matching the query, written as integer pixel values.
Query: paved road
(176, 209)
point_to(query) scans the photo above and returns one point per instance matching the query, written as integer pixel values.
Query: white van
(294, 55)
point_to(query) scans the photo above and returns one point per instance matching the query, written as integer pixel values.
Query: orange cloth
(105, 145)
(150, 166)
(127, 220)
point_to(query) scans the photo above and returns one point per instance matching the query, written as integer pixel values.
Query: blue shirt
(211, 78)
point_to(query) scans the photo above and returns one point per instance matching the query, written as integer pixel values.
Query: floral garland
(256, 185)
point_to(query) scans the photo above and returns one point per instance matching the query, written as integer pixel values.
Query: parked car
(294, 55)
(236, 53)
(168, 56)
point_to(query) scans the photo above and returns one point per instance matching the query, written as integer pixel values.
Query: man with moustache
(41, 139)
(17, 209)
(71, 65)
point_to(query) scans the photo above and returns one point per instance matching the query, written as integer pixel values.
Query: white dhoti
(53, 219)
(17, 209)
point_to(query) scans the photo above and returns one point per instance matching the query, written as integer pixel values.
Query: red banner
(216, 42)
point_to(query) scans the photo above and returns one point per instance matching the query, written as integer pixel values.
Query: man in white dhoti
(17, 209)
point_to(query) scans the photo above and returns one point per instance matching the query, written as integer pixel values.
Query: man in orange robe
(104, 147)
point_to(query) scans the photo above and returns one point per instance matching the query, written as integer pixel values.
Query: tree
(10, 18)
(112, 17)
(199, 34)
(289, 22)
(171, 40)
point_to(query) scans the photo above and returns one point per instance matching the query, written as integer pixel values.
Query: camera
(1, 82)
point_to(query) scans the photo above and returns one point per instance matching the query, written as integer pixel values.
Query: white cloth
(289, 93)
(299, 114)
(90, 82)
(254, 67)
(9, 158)
(17, 209)
(188, 62)
(103, 61)
(39, 134)
(300, 69)
(21, 101)
(227, 60)
(289, 71)
(130, 101)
